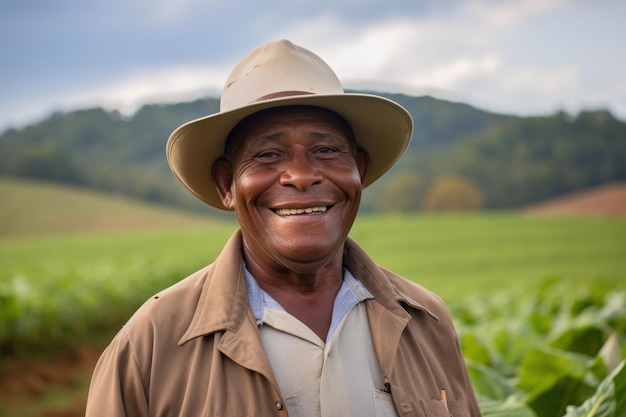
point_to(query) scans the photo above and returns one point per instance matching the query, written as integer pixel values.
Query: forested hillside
(510, 163)
(460, 157)
(100, 149)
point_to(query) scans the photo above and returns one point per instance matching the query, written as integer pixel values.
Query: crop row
(558, 351)
(60, 291)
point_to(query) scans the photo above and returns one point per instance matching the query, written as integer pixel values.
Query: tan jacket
(194, 349)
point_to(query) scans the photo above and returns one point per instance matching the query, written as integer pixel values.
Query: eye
(268, 155)
(325, 150)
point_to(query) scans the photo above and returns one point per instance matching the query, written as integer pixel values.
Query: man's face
(295, 182)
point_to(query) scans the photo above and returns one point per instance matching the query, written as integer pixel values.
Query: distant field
(458, 254)
(29, 208)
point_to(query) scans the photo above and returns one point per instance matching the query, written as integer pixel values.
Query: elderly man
(292, 318)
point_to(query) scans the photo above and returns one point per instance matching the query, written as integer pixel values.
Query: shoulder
(414, 293)
(390, 288)
(169, 310)
(155, 327)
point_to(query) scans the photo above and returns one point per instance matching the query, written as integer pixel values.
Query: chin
(312, 253)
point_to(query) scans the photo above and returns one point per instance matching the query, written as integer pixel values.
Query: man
(292, 318)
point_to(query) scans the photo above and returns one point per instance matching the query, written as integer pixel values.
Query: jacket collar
(377, 281)
(223, 303)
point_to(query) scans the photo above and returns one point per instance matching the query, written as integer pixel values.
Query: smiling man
(292, 318)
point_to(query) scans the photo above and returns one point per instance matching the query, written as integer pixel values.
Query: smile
(308, 210)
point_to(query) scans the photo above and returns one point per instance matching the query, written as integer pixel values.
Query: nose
(300, 171)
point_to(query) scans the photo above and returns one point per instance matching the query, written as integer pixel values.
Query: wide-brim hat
(282, 74)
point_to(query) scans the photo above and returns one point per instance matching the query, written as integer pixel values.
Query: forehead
(275, 118)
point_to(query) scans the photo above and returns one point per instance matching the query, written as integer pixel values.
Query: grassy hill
(39, 208)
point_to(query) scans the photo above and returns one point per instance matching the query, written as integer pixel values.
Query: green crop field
(43, 279)
(539, 302)
(51, 285)
(460, 254)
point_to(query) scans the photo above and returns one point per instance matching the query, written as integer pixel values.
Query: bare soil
(26, 382)
(606, 200)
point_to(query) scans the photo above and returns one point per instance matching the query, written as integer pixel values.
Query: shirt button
(279, 405)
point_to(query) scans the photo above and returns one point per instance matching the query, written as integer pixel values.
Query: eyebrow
(321, 135)
(335, 138)
(264, 139)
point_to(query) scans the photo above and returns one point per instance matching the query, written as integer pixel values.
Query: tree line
(460, 158)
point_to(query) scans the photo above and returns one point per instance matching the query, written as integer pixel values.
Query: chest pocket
(435, 408)
(383, 405)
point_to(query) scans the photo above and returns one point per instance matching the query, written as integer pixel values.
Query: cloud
(526, 90)
(415, 52)
(176, 12)
(547, 82)
(163, 85)
(521, 56)
(504, 15)
(126, 94)
(453, 74)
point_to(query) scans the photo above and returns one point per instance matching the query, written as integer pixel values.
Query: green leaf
(554, 401)
(554, 379)
(587, 340)
(509, 408)
(488, 382)
(542, 367)
(475, 348)
(609, 399)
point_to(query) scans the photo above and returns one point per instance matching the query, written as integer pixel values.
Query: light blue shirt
(351, 293)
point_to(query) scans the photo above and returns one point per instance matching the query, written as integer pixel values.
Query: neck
(301, 282)
(308, 296)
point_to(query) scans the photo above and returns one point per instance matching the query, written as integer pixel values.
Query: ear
(223, 178)
(362, 163)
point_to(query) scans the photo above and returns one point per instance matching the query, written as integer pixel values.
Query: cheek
(350, 180)
(249, 184)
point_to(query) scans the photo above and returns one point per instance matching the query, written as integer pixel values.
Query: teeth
(291, 212)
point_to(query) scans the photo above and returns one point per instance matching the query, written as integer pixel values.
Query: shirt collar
(351, 292)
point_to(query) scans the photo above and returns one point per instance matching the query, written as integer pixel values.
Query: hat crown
(277, 69)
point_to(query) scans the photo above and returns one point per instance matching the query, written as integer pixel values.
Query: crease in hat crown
(275, 68)
(279, 74)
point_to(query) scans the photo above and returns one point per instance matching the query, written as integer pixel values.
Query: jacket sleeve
(117, 388)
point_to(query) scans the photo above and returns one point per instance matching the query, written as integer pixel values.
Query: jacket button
(279, 405)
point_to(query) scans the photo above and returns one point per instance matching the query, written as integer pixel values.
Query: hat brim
(381, 127)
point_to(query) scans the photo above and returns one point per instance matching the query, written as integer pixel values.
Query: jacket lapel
(223, 308)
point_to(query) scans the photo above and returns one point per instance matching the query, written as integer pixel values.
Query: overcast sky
(509, 56)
